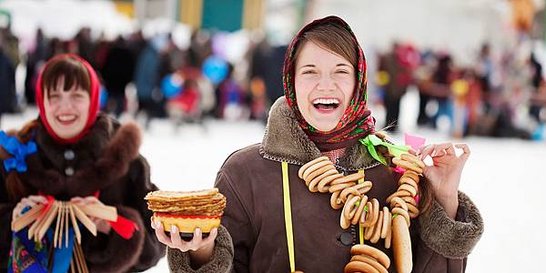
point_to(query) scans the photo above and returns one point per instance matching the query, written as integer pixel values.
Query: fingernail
(174, 229)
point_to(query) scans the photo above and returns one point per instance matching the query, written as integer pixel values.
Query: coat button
(69, 171)
(69, 155)
(346, 238)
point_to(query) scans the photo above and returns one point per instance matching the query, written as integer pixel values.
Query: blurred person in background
(117, 72)
(36, 58)
(74, 153)
(8, 99)
(147, 78)
(324, 115)
(10, 45)
(442, 78)
(423, 81)
(399, 64)
(232, 99)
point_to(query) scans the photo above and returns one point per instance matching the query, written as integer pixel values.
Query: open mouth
(67, 119)
(326, 104)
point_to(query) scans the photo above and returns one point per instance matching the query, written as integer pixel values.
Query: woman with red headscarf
(324, 192)
(75, 154)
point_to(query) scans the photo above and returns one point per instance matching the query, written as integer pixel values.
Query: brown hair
(332, 37)
(71, 70)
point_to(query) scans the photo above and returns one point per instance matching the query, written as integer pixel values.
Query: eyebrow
(312, 65)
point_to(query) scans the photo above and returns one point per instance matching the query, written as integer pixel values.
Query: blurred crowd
(501, 94)
(153, 77)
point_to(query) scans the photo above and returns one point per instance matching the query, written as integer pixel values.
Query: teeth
(67, 117)
(325, 101)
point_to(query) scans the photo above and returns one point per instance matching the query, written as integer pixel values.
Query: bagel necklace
(391, 225)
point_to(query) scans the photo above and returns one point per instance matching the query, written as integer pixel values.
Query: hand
(83, 201)
(175, 241)
(445, 172)
(101, 224)
(29, 201)
(200, 249)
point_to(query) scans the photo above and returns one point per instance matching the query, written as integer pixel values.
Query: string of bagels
(388, 223)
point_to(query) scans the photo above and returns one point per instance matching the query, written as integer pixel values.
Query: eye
(342, 71)
(54, 95)
(304, 72)
(79, 94)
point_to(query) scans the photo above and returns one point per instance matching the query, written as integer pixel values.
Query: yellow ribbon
(360, 227)
(288, 216)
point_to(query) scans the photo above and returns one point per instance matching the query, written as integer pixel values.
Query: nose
(66, 102)
(326, 83)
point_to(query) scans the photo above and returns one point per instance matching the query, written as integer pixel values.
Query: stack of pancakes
(187, 210)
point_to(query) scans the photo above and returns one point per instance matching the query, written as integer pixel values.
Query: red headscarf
(356, 122)
(93, 95)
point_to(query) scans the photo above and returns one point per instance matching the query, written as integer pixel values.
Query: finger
(38, 199)
(450, 150)
(425, 151)
(212, 236)
(91, 200)
(27, 202)
(78, 200)
(465, 148)
(160, 234)
(197, 237)
(441, 149)
(176, 239)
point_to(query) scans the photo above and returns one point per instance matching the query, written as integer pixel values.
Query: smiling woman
(67, 100)
(73, 155)
(334, 190)
(325, 84)
(67, 95)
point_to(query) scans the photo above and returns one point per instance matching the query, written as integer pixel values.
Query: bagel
(401, 243)
(372, 252)
(309, 164)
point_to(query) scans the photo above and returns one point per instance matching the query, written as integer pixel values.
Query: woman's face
(67, 111)
(324, 86)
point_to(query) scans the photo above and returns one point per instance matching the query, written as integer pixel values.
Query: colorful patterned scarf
(356, 122)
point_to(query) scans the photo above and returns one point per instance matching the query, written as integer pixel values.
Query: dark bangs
(72, 71)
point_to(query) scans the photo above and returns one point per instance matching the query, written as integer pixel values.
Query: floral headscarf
(356, 122)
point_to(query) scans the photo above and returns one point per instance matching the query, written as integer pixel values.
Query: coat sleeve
(443, 244)
(221, 261)
(111, 252)
(140, 185)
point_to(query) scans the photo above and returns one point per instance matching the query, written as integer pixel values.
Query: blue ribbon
(63, 255)
(18, 150)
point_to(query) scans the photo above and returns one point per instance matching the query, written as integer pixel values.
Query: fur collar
(102, 157)
(284, 140)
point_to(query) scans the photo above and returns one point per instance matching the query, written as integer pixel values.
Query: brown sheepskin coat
(251, 180)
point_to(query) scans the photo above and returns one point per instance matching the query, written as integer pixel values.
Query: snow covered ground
(504, 178)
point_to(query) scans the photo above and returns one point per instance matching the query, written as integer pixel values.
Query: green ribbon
(371, 141)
